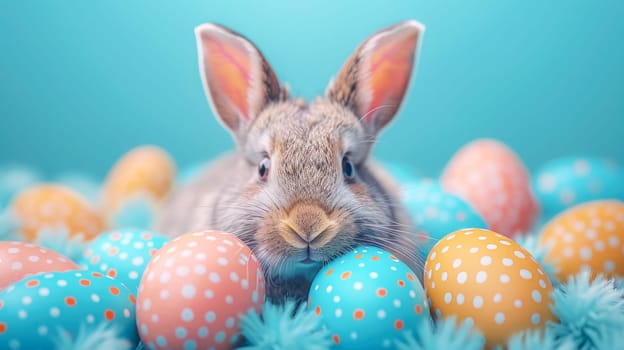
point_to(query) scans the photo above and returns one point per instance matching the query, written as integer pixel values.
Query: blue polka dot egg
(437, 212)
(565, 182)
(367, 299)
(45, 310)
(123, 254)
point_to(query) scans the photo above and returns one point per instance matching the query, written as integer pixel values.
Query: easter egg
(39, 311)
(53, 207)
(489, 176)
(123, 254)
(437, 212)
(367, 299)
(487, 279)
(144, 171)
(587, 235)
(20, 259)
(566, 182)
(194, 290)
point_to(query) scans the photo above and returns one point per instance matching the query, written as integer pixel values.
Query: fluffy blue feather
(591, 312)
(59, 241)
(102, 337)
(283, 328)
(533, 339)
(445, 334)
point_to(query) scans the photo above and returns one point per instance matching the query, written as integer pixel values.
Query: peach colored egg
(489, 176)
(146, 170)
(55, 207)
(487, 279)
(20, 259)
(194, 290)
(589, 235)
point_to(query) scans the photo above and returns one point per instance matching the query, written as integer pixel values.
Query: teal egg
(436, 212)
(565, 182)
(367, 299)
(43, 310)
(123, 254)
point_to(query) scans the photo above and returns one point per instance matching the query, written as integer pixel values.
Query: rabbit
(300, 189)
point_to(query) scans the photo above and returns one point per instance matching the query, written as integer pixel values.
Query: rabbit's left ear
(237, 78)
(373, 81)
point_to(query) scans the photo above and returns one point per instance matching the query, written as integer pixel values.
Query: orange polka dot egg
(489, 176)
(54, 209)
(367, 299)
(194, 290)
(589, 235)
(21, 259)
(39, 311)
(488, 280)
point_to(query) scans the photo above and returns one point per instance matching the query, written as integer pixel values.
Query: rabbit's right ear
(237, 78)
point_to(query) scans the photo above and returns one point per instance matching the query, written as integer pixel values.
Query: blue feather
(445, 334)
(591, 311)
(278, 330)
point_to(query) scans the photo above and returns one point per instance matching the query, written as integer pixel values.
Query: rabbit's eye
(263, 168)
(348, 171)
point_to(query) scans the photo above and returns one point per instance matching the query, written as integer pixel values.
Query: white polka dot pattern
(122, 254)
(20, 259)
(589, 235)
(486, 277)
(194, 289)
(565, 182)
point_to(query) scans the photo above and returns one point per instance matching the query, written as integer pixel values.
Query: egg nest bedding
(512, 260)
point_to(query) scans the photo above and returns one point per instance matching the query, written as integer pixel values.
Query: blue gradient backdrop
(81, 82)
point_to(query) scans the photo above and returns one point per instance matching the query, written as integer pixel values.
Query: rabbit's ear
(237, 78)
(373, 81)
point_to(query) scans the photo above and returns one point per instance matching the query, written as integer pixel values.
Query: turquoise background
(81, 82)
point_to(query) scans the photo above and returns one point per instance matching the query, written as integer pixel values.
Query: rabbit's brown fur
(305, 212)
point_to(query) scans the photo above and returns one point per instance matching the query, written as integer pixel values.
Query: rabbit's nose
(309, 225)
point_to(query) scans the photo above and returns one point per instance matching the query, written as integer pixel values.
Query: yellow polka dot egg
(144, 172)
(52, 209)
(487, 279)
(367, 299)
(589, 235)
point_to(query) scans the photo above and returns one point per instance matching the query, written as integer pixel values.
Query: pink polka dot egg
(488, 280)
(43, 310)
(491, 177)
(19, 260)
(194, 290)
(123, 254)
(367, 299)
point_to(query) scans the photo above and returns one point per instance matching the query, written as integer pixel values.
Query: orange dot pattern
(369, 298)
(70, 301)
(35, 306)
